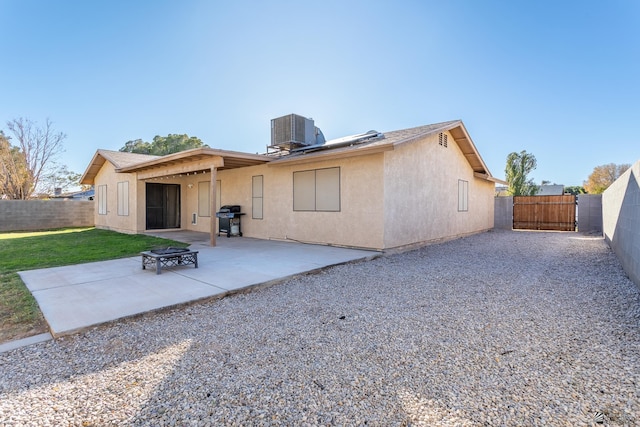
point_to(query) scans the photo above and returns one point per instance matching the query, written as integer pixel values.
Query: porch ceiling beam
(210, 163)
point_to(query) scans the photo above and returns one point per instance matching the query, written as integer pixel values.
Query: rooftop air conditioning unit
(292, 131)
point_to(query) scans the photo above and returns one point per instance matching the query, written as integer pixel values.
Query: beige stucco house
(383, 191)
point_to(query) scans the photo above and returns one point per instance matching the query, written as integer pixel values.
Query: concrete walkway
(75, 297)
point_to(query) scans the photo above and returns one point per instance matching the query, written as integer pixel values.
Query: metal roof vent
(294, 131)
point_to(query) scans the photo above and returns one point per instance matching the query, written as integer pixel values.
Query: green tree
(163, 145)
(517, 170)
(603, 176)
(574, 190)
(137, 146)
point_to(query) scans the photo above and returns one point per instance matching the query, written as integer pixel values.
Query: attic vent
(442, 139)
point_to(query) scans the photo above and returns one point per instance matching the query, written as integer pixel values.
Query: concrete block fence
(590, 213)
(621, 220)
(29, 215)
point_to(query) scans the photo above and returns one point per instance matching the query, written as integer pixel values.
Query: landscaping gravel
(500, 328)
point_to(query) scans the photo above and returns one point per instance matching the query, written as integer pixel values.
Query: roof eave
(468, 148)
(89, 175)
(490, 178)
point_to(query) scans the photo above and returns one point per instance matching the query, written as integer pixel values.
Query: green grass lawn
(19, 312)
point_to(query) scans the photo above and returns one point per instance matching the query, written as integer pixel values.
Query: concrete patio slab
(75, 297)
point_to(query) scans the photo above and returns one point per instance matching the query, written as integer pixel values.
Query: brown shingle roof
(407, 135)
(391, 139)
(128, 162)
(119, 159)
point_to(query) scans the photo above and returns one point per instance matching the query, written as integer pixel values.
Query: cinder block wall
(503, 213)
(621, 220)
(590, 213)
(29, 215)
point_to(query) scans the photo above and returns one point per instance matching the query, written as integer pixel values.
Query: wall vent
(442, 139)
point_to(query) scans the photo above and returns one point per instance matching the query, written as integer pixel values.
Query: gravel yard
(501, 328)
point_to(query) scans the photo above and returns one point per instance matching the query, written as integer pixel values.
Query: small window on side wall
(463, 196)
(257, 196)
(102, 199)
(123, 198)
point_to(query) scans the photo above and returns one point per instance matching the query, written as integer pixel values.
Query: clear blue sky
(559, 79)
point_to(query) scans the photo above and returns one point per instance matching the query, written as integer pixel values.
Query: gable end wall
(421, 194)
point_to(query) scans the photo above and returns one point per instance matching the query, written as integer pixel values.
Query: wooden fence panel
(544, 213)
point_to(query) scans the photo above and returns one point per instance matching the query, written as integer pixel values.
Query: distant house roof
(550, 190)
(131, 162)
(85, 194)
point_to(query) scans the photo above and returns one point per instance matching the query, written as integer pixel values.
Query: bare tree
(37, 148)
(59, 178)
(12, 170)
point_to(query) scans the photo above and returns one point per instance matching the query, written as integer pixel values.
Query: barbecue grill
(229, 220)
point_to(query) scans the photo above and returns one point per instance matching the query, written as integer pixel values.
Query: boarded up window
(463, 196)
(257, 196)
(123, 198)
(328, 189)
(317, 190)
(304, 191)
(204, 199)
(102, 199)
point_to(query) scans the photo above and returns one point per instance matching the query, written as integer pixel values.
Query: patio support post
(212, 186)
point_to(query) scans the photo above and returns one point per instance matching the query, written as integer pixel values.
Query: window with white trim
(317, 190)
(463, 195)
(123, 198)
(102, 199)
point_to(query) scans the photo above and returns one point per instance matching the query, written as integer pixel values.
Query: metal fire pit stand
(169, 257)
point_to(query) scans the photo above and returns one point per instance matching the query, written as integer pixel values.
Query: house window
(123, 198)
(442, 139)
(256, 196)
(463, 196)
(317, 190)
(204, 198)
(102, 199)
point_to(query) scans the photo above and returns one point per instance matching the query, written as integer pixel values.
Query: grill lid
(230, 208)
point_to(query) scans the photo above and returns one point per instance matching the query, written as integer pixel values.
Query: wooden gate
(544, 212)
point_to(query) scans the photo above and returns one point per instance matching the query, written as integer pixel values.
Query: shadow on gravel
(512, 328)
